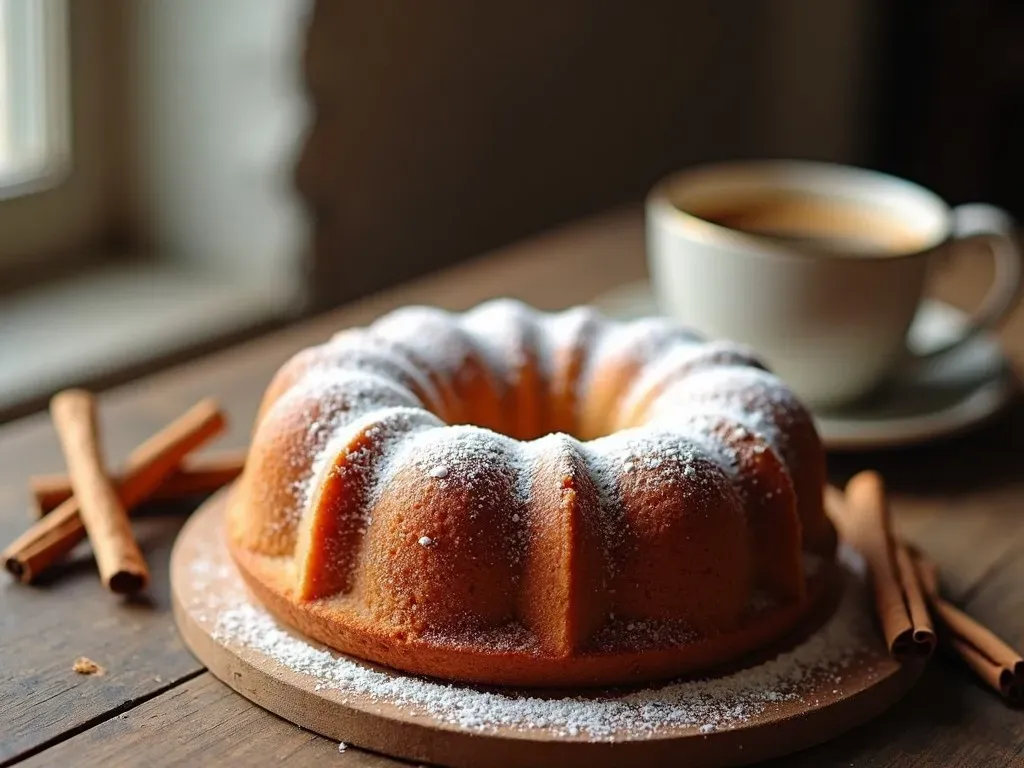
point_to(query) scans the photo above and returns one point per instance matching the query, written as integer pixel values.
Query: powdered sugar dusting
(752, 397)
(323, 403)
(502, 329)
(647, 459)
(705, 705)
(565, 331)
(639, 341)
(431, 333)
(679, 361)
(663, 456)
(490, 472)
(705, 429)
(379, 429)
(463, 454)
(356, 349)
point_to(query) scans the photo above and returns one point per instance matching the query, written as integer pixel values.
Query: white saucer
(970, 386)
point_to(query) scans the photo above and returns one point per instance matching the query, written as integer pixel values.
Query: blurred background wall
(441, 131)
(950, 104)
(423, 134)
(216, 113)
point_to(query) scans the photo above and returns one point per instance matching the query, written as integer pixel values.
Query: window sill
(120, 320)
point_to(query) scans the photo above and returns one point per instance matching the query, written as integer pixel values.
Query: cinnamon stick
(865, 522)
(924, 636)
(148, 465)
(197, 475)
(994, 661)
(121, 565)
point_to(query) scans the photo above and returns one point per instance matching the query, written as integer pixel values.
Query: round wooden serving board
(207, 588)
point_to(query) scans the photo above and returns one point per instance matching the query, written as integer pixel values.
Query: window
(34, 141)
(138, 221)
(58, 67)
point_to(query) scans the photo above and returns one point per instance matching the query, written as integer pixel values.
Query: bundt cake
(518, 498)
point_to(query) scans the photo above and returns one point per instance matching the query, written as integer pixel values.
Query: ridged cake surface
(511, 497)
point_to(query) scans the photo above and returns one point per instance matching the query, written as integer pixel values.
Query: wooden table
(962, 500)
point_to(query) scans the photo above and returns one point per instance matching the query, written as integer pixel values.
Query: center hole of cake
(511, 424)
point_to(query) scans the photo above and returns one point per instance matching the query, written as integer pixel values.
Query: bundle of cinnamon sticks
(911, 610)
(91, 502)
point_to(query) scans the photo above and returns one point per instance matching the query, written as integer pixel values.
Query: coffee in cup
(808, 221)
(820, 268)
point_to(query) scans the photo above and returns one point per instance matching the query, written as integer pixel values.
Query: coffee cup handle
(994, 227)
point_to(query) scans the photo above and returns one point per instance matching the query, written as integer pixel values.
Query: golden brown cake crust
(502, 658)
(403, 503)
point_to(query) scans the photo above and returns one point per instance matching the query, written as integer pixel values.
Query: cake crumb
(342, 746)
(86, 666)
(440, 472)
(425, 541)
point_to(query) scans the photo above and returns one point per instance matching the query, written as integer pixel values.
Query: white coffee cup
(820, 268)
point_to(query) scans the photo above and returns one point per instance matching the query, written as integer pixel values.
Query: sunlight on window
(33, 93)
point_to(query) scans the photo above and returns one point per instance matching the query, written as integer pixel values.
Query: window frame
(35, 66)
(58, 215)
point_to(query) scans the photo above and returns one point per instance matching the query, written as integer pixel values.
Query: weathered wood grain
(45, 628)
(946, 720)
(201, 722)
